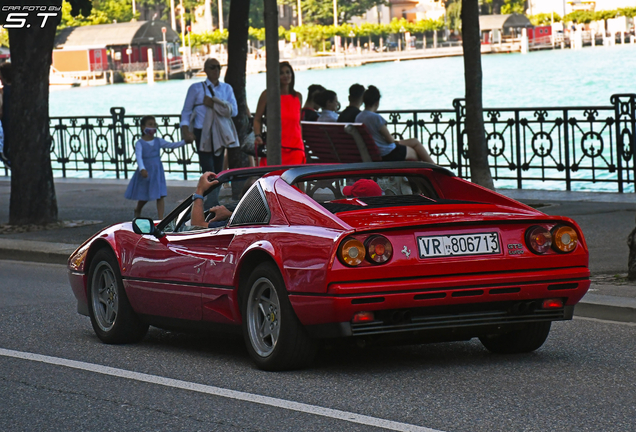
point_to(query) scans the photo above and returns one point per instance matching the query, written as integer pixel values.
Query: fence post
(518, 149)
(89, 154)
(625, 110)
(415, 125)
(59, 128)
(619, 141)
(119, 133)
(566, 146)
(458, 105)
(566, 150)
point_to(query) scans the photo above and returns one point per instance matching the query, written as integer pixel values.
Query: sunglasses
(214, 67)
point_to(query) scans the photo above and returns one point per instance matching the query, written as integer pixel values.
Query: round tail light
(352, 252)
(379, 249)
(538, 239)
(564, 238)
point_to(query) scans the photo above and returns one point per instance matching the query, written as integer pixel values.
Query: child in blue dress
(149, 181)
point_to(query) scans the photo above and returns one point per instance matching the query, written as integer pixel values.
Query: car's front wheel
(525, 340)
(274, 336)
(112, 317)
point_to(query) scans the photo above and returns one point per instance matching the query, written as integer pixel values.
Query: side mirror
(146, 226)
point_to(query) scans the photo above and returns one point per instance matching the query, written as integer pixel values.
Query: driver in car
(221, 213)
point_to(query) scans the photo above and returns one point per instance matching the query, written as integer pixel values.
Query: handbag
(248, 146)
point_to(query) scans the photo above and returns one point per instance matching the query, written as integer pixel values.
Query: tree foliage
(320, 12)
(102, 12)
(583, 17)
(314, 35)
(4, 37)
(543, 19)
(513, 6)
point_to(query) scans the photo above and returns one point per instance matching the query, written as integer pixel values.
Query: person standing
(201, 99)
(292, 146)
(349, 114)
(149, 180)
(6, 77)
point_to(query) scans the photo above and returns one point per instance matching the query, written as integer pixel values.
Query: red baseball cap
(363, 188)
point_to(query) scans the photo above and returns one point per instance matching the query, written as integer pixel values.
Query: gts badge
(515, 249)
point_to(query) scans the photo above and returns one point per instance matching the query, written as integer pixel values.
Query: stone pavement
(87, 205)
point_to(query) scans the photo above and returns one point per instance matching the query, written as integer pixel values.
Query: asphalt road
(56, 375)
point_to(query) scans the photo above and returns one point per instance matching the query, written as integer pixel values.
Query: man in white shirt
(201, 97)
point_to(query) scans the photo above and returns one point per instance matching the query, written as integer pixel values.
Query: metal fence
(549, 147)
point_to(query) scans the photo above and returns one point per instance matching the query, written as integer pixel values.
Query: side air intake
(252, 210)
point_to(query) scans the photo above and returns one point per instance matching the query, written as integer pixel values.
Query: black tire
(525, 340)
(274, 336)
(112, 317)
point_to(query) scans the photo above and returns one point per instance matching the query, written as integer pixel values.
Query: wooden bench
(339, 143)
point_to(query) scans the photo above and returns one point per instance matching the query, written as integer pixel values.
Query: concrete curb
(606, 307)
(36, 251)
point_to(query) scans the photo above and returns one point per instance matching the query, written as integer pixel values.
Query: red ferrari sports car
(374, 252)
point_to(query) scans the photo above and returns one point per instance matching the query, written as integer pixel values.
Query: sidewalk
(85, 206)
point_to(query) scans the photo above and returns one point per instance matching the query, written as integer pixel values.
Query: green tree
(453, 13)
(629, 12)
(102, 12)
(580, 17)
(475, 132)
(514, 6)
(4, 37)
(321, 11)
(543, 19)
(33, 199)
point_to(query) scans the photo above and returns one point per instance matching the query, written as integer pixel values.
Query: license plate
(459, 244)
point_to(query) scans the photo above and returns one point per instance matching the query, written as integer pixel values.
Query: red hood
(434, 214)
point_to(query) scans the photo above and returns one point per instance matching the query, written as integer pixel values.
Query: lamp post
(300, 14)
(221, 15)
(182, 21)
(335, 13)
(173, 21)
(165, 52)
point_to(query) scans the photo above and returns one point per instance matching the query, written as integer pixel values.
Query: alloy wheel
(263, 317)
(105, 297)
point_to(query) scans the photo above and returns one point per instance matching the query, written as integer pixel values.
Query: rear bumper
(419, 305)
(428, 324)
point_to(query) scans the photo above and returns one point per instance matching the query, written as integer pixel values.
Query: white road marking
(219, 391)
(630, 324)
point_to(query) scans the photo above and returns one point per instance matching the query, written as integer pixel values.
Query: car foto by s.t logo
(23, 16)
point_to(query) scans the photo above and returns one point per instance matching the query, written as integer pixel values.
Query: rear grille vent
(504, 290)
(565, 286)
(252, 210)
(429, 296)
(368, 300)
(470, 293)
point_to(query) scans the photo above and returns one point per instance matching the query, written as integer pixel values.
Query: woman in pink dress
(292, 147)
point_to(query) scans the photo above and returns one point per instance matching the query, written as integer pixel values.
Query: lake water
(544, 78)
(585, 77)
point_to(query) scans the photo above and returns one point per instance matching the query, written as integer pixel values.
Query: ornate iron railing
(547, 147)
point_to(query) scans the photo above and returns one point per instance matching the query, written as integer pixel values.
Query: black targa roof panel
(293, 175)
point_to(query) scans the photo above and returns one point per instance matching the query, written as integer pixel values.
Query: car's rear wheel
(274, 336)
(525, 340)
(112, 317)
